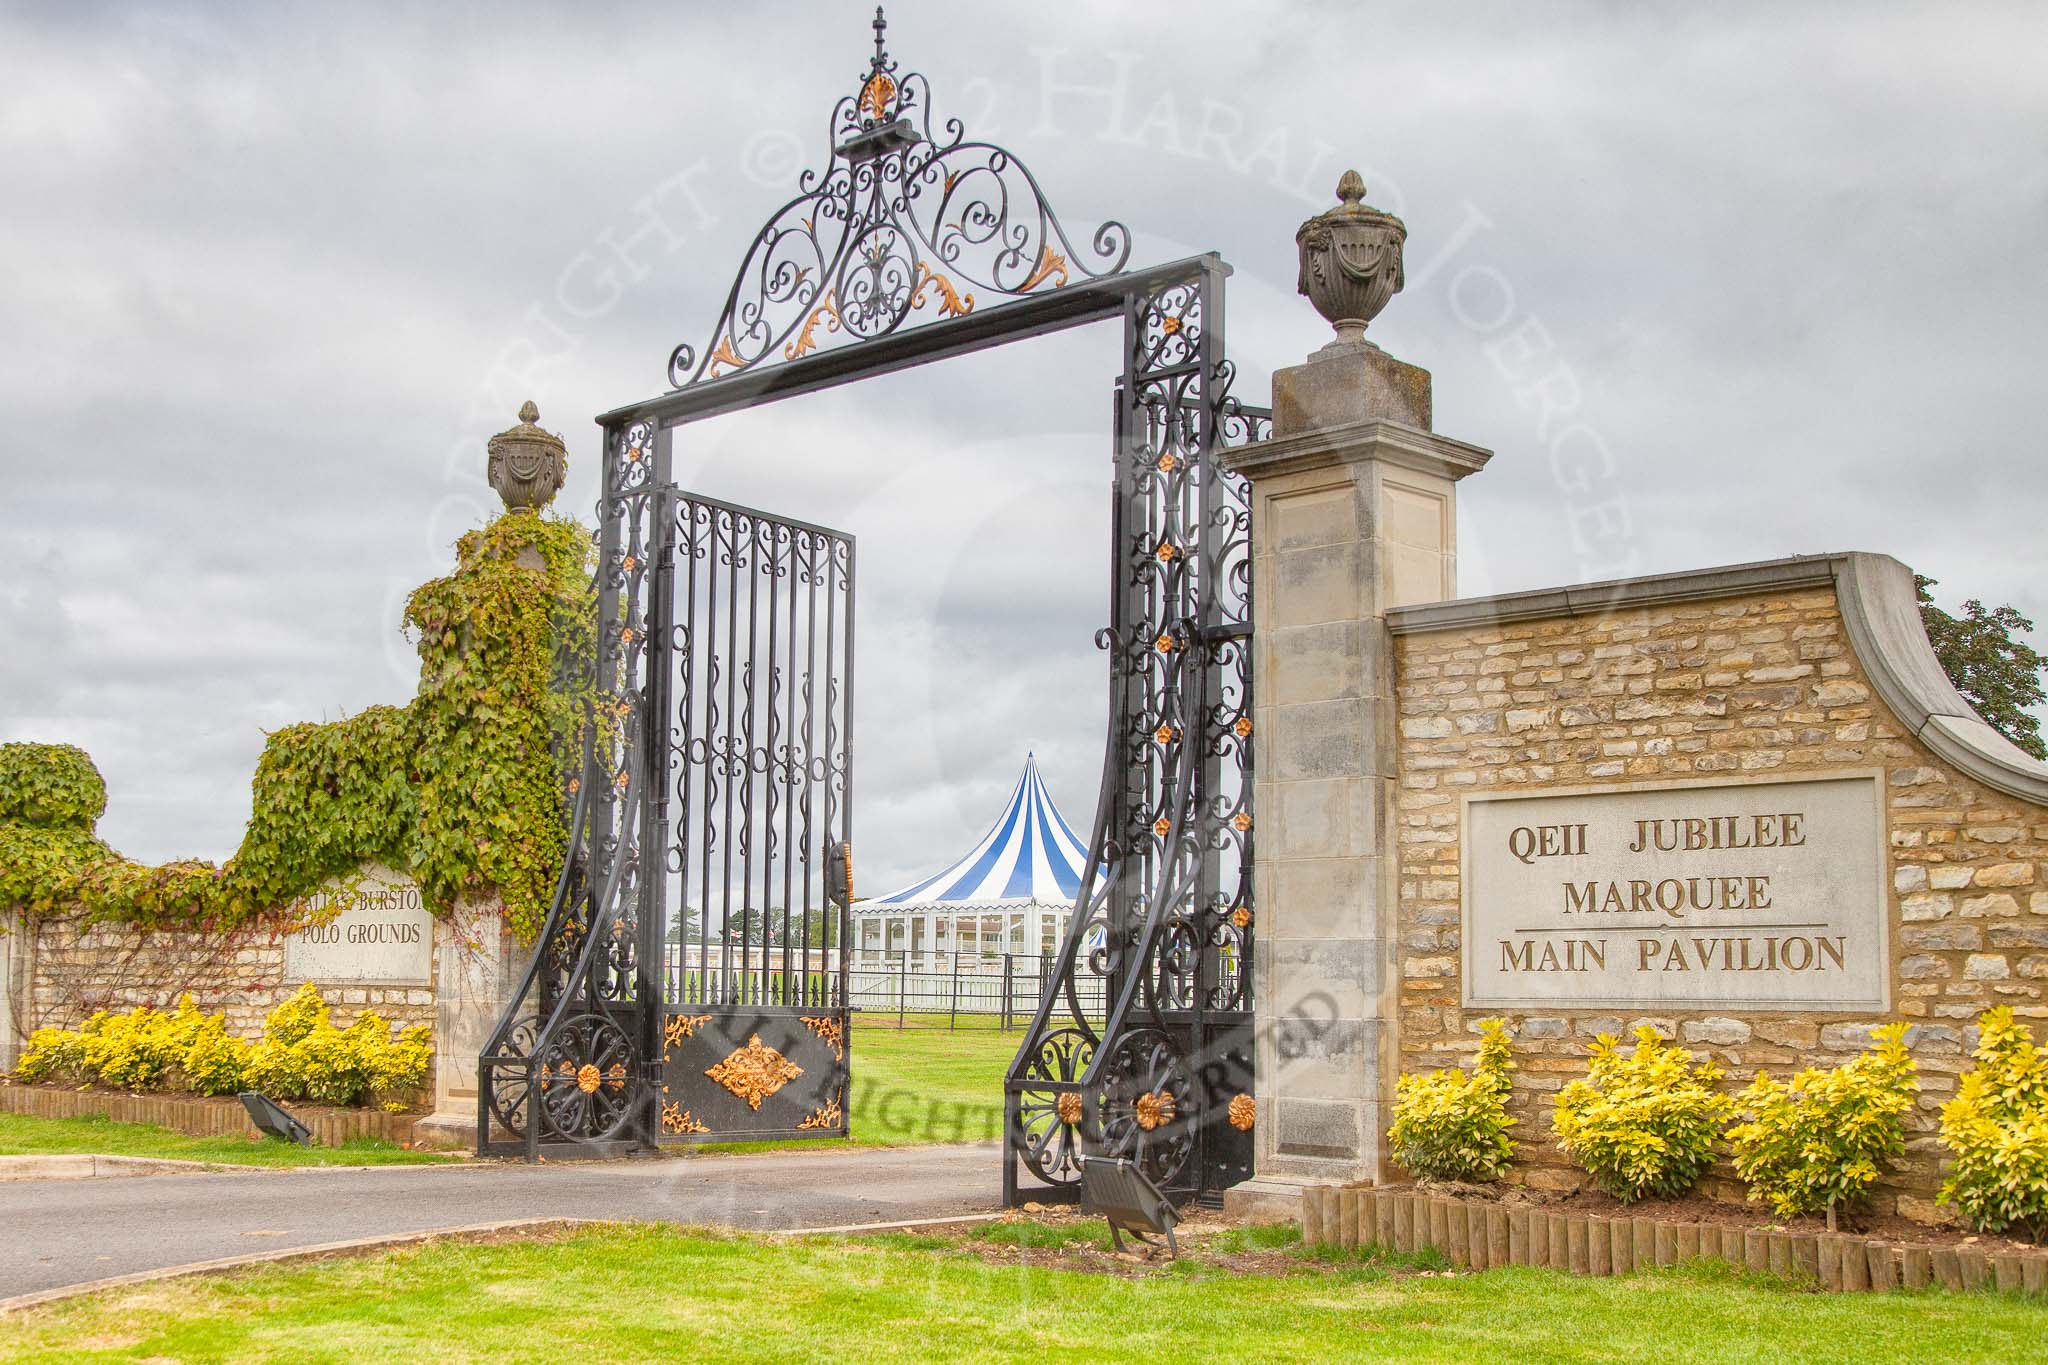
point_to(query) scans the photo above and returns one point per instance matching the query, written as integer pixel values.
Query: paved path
(62, 1232)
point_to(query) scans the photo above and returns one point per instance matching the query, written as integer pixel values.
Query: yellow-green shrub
(1453, 1125)
(1642, 1122)
(301, 1055)
(1817, 1142)
(130, 1050)
(52, 1054)
(1997, 1130)
(291, 1021)
(217, 1062)
(304, 1056)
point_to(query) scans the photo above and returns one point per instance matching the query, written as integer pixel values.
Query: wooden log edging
(197, 1116)
(1476, 1234)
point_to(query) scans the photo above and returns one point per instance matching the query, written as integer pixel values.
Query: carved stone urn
(1351, 260)
(528, 464)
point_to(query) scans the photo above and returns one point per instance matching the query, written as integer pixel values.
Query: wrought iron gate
(754, 1028)
(1164, 1074)
(910, 222)
(690, 983)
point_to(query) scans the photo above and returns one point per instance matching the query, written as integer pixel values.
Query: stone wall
(58, 971)
(1748, 687)
(75, 968)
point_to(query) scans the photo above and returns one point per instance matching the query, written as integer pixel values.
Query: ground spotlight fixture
(1126, 1197)
(270, 1116)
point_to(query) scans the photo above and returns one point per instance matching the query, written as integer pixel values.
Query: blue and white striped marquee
(1012, 892)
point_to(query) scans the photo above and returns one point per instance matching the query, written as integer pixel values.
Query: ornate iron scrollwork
(1166, 920)
(910, 217)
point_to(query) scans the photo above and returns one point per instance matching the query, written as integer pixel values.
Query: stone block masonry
(1726, 681)
(57, 972)
(76, 968)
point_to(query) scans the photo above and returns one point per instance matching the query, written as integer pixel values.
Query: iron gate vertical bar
(749, 686)
(807, 839)
(1201, 560)
(686, 716)
(647, 988)
(790, 782)
(1125, 615)
(846, 742)
(726, 992)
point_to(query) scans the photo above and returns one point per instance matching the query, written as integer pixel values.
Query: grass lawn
(661, 1294)
(919, 1085)
(21, 1135)
(929, 1085)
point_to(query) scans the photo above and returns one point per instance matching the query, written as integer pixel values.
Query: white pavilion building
(1013, 892)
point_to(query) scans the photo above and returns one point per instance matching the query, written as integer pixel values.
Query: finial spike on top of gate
(908, 220)
(881, 62)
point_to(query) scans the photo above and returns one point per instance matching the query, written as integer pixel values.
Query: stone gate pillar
(1354, 506)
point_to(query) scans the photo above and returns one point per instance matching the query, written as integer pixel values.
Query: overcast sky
(1715, 284)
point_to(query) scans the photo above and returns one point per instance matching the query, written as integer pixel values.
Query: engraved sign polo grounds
(1429, 959)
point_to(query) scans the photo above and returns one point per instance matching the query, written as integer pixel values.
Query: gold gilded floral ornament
(1164, 644)
(680, 1026)
(1068, 1107)
(1243, 1113)
(1241, 822)
(1165, 734)
(1162, 826)
(952, 303)
(724, 354)
(676, 1119)
(830, 1031)
(1154, 1108)
(589, 1078)
(826, 1115)
(1050, 263)
(876, 94)
(1241, 917)
(754, 1072)
(806, 339)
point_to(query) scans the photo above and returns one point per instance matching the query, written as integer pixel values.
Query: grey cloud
(275, 272)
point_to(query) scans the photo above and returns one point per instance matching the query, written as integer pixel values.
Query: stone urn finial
(528, 464)
(1351, 260)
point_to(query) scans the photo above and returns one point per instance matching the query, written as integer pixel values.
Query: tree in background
(1997, 674)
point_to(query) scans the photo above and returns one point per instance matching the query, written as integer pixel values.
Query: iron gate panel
(757, 660)
(731, 1074)
(1165, 1076)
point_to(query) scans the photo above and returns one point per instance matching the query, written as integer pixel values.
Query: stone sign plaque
(382, 935)
(1763, 895)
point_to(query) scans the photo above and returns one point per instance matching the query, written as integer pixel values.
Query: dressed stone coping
(1880, 611)
(1478, 1234)
(199, 1115)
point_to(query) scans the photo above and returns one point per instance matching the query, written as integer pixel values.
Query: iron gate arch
(914, 243)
